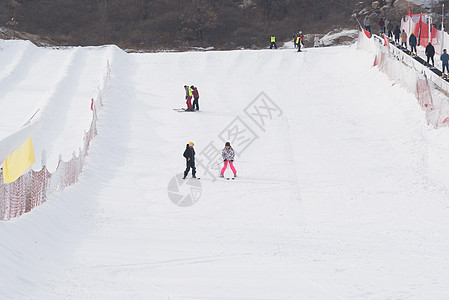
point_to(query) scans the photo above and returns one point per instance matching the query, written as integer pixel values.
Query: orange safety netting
(31, 189)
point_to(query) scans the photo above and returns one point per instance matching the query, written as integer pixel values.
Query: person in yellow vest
(273, 42)
(188, 98)
(299, 40)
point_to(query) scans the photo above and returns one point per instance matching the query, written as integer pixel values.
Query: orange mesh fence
(31, 189)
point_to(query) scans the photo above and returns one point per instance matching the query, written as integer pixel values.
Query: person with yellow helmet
(189, 155)
(273, 42)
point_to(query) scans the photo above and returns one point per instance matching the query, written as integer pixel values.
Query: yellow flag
(19, 161)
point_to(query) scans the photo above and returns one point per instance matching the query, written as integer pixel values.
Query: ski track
(336, 199)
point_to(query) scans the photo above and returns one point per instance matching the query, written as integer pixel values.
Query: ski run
(343, 191)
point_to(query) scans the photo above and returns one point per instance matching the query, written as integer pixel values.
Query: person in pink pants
(228, 156)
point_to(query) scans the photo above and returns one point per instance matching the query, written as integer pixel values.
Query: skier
(445, 60)
(228, 156)
(430, 52)
(397, 34)
(404, 39)
(189, 154)
(273, 42)
(367, 24)
(188, 98)
(299, 40)
(196, 97)
(294, 39)
(413, 41)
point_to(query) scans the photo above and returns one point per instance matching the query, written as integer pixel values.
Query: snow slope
(342, 196)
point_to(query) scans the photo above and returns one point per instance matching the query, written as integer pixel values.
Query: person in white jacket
(228, 156)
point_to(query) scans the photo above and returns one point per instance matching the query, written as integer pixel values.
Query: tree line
(149, 24)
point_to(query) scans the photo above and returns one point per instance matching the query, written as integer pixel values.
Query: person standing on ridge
(228, 156)
(390, 28)
(397, 34)
(367, 24)
(404, 39)
(273, 42)
(382, 26)
(189, 154)
(445, 60)
(430, 52)
(413, 41)
(196, 96)
(188, 98)
(299, 40)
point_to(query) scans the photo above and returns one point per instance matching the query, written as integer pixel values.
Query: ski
(182, 110)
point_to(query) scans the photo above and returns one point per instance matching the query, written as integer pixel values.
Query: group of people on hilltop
(385, 27)
(401, 38)
(298, 40)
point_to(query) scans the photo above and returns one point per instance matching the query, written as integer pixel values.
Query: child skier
(228, 156)
(189, 154)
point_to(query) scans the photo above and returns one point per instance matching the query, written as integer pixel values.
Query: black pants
(430, 57)
(445, 66)
(413, 47)
(299, 47)
(195, 104)
(396, 40)
(404, 44)
(273, 44)
(190, 164)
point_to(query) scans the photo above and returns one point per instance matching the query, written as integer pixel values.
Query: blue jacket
(190, 153)
(444, 58)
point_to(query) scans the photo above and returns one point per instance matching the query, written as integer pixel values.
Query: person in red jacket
(196, 97)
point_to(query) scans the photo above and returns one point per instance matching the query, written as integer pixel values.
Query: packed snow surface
(342, 195)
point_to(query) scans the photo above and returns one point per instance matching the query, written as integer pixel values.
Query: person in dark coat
(390, 29)
(196, 97)
(430, 52)
(413, 41)
(397, 34)
(445, 60)
(189, 154)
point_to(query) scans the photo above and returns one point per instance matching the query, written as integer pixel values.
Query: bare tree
(198, 17)
(146, 7)
(103, 14)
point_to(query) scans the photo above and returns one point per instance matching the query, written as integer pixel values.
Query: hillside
(157, 24)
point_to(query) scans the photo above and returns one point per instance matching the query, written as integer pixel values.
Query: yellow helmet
(191, 144)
